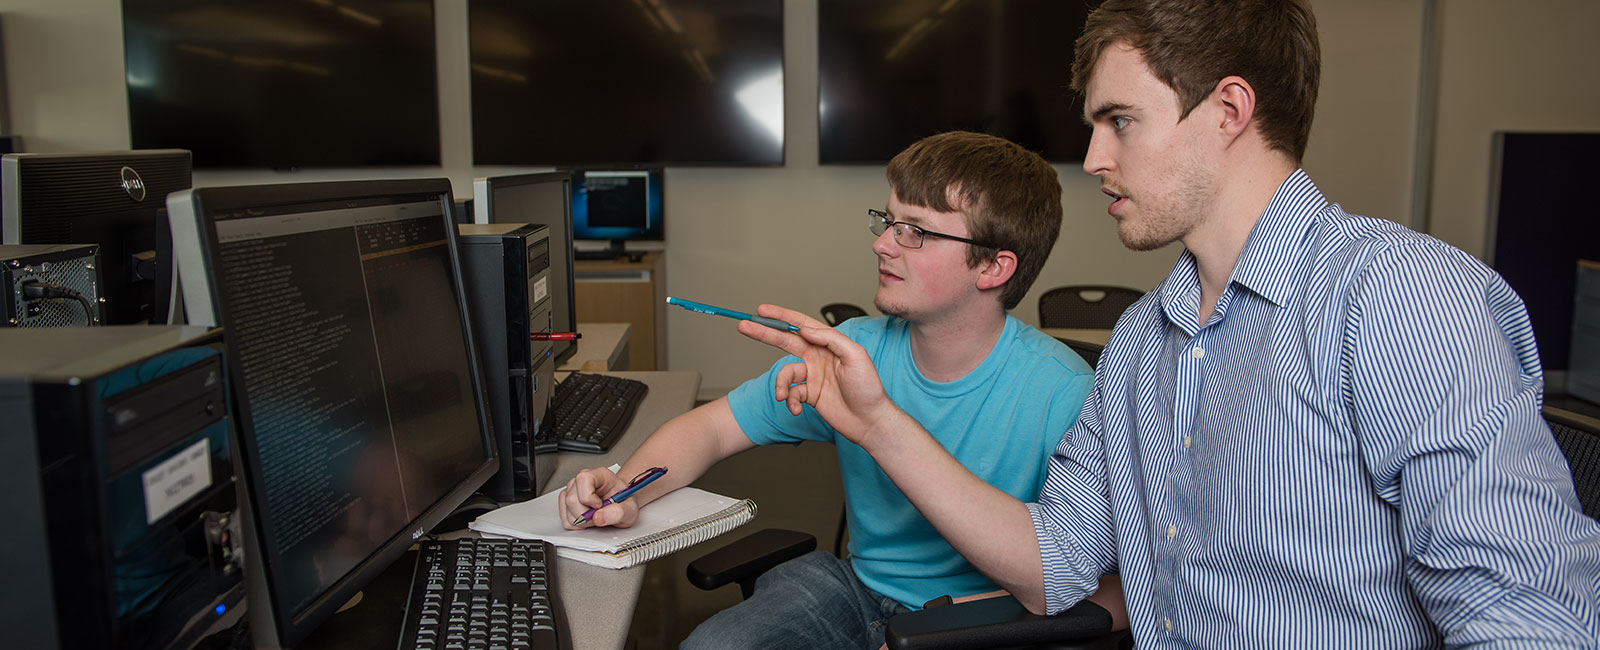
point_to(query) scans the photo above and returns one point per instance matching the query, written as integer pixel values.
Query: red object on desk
(555, 336)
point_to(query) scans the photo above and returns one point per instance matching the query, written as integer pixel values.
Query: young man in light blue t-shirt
(970, 221)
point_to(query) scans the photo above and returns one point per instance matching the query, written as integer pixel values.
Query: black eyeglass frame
(882, 217)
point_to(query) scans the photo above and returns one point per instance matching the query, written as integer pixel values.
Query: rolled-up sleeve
(1072, 517)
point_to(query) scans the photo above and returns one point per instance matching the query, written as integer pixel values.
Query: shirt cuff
(1064, 584)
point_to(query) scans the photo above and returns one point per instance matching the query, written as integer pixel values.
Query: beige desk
(599, 602)
(1091, 336)
(619, 291)
(604, 346)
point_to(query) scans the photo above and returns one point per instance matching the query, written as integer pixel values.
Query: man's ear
(1237, 100)
(997, 270)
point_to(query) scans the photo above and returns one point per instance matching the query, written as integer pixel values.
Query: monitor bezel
(195, 209)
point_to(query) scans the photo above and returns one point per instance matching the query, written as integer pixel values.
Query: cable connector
(37, 290)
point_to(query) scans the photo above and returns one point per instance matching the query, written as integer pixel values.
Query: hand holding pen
(644, 478)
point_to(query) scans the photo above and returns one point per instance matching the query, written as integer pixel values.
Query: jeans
(811, 602)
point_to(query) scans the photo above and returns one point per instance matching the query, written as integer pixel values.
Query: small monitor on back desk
(361, 416)
(617, 206)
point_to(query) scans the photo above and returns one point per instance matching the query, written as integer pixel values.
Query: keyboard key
(468, 594)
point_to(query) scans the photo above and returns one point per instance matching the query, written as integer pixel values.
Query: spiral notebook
(677, 520)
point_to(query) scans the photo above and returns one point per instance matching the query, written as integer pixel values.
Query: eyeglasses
(910, 236)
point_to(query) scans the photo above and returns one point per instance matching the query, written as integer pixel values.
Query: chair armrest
(993, 623)
(746, 559)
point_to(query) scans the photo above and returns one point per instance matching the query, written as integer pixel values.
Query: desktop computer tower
(506, 272)
(116, 483)
(70, 267)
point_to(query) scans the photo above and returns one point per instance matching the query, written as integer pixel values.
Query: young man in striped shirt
(1320, 430)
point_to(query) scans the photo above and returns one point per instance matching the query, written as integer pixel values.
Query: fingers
(848, 351)
(782, 340)
(616, 515)
(785, 341)
(788, 316)
(796, 400)
(790, 376)
(583, 492)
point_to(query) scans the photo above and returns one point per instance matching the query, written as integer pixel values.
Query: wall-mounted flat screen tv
(626, 82)
(891, 72)
(284, 83)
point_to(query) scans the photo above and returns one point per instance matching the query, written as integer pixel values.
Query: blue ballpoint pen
(649, 476)
(737, 315)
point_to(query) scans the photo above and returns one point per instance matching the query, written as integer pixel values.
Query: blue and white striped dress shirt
(1347, 453)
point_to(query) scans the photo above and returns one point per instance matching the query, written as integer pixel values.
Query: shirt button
(1172, 531)
(1198, 352)
(1167, 624)
(1186, 442)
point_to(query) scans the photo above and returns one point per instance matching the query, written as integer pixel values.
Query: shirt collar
(1275, 246)
(1272, 250)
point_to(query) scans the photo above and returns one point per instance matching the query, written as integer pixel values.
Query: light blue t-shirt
(1001, 421)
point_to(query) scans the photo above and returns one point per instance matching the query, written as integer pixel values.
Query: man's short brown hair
(1007, 195)
(1190, 45)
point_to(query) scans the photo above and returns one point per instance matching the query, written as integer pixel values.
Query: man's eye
(1120, 123)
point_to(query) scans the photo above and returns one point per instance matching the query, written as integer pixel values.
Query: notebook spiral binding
(681, 537)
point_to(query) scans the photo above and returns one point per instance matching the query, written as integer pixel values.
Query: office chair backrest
(1579, 438)
(839, 312)
(1085, 306)
(1089, 351)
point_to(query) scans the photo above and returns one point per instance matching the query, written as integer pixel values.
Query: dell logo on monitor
(132, 184)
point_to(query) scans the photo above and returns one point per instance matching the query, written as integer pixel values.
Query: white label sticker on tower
(540, 290)
(177, 479)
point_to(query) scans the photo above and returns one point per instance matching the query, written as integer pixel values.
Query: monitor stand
(615, 251)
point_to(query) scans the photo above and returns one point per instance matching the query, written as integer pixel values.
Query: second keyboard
(590, 411)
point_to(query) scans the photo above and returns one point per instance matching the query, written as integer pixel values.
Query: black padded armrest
(744, 560)
(992, 623)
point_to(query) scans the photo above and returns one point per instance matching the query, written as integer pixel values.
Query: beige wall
(793, 234)
(1505, 66)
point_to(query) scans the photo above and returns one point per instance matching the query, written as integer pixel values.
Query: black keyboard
(485, 593)
(589, 411)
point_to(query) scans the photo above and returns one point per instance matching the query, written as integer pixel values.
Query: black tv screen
(626, 82)
(284, 83)
(891, 72)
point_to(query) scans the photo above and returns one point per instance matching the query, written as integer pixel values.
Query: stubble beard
(1168, 217)
(888, 308)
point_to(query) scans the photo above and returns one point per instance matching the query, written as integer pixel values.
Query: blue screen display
(617, 204)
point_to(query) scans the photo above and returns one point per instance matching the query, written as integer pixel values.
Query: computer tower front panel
(134, 483)
(506, 270)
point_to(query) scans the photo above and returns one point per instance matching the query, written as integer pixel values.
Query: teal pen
(736, 315)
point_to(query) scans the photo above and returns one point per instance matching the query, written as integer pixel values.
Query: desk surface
(1095, 336)
(604, 346)
(599, 602)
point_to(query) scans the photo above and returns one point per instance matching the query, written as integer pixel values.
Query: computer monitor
(541, 198)
(463, 211)
(116, 199)
(361, 415)
(617, 205)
